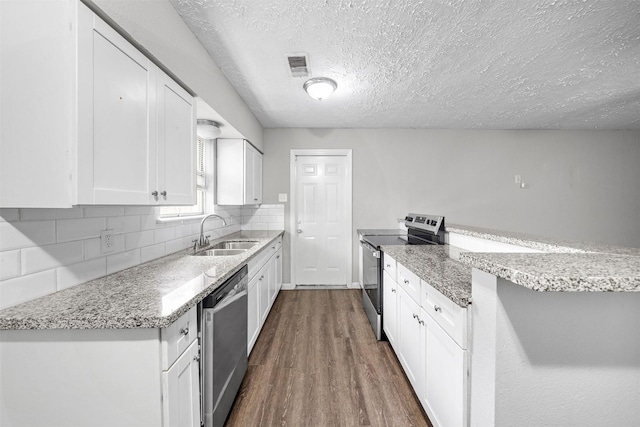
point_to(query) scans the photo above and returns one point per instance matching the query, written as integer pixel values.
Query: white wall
(157, 27)
(582, 185)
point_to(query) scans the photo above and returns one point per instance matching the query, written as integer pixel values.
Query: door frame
(347, 153)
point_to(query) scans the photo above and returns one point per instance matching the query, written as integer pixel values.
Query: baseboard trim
(290, 287)
(354, 285)
(287, 287)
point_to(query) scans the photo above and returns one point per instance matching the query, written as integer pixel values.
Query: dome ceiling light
(320, 87)
(208, 129)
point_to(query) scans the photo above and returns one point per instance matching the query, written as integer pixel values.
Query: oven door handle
(374, 251)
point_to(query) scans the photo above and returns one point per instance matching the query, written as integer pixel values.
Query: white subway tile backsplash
(51, 256)
(152, 252)
(44, 250)
(138, 240)
(81, 272)
(148, 222)
(15, 235)
(118, 262)
(98, 211)
(10, 265)
(275, 226)
(124, 224)
(164, 234)
(138, 210)
(44, 214)
(78, 229)
(175, 245)
(26, 288)
(9, 214)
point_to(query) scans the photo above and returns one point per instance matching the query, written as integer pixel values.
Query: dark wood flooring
(317, 363)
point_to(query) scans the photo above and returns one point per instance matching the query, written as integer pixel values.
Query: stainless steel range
(421, 230)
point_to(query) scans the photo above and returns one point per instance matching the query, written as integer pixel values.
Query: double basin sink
(227, 248)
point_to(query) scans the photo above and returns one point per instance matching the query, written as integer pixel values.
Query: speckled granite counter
(545, 244)
(566, 266)
(557, 272)
(437, 266)
(151, 295)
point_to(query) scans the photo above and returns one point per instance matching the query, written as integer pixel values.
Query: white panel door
(321, 216)
(181, 400)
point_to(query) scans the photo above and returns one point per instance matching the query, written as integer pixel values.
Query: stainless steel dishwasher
(223, 340)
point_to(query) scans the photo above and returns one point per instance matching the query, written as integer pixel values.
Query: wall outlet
(518, 179)
(106, 241)
(282, 197)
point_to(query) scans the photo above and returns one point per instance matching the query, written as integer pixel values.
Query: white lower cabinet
(429, 336)
(445, 377)
(101, 377)
(410, 340)
(390, 309)
(265, 282)
(181, 389)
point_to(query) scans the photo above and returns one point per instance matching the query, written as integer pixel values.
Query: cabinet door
(253, 312)
(116, 119)
(390, 309)
(263, 283)
(410, 337)
(253, 175)
(181, 400)
(278, 268)
(176, 183)
(446, 365)
(257, 177)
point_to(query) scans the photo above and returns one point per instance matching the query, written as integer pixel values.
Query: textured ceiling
(501, 64)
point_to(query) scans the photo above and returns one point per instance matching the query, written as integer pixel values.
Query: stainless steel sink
(220, 252)
(235, 245)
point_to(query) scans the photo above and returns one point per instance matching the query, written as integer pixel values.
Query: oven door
(371, 276)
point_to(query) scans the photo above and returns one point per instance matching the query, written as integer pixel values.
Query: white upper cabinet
(239, 173)
(176, 183)
(92, 119)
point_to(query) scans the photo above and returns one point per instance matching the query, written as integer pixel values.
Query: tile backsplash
(46, 250)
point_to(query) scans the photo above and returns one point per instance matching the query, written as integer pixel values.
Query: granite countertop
(558, 272)
(438, 266)
(151, 295)
(544, 244)
(566, 266)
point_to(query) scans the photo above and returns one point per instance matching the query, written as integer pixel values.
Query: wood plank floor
(317, 363)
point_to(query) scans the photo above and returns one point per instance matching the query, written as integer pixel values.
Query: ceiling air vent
(298, 65)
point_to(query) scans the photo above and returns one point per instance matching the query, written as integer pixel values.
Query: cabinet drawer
(451, 317)
(389, 265)
(409, 282)
(177, 337)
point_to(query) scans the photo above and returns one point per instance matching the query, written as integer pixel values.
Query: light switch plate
(282, 197)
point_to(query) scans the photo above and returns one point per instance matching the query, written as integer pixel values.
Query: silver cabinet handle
(437, 308)
(389, 265)
(393, 289)
(154, 193)
(415, 316)
(196, 357)
(278, 257)
(164, 193)
(406, 282)
(299, 231)
(184, 331)
(421, 321)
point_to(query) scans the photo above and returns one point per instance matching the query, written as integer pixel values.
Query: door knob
(299, 231)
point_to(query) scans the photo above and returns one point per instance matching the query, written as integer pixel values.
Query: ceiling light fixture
(320, 87)
(208, 129)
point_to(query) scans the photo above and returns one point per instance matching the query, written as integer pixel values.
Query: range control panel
(431, 223)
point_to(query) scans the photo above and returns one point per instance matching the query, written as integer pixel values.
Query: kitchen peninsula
(553, 325)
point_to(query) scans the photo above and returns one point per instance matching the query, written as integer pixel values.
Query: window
(201, 189)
